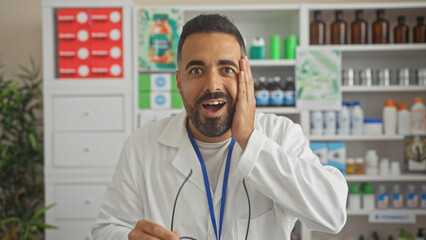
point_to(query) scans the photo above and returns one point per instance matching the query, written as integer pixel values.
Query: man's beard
(211, 127)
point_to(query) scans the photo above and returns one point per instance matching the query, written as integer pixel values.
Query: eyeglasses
(177, 196)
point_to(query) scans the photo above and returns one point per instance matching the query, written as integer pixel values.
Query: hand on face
(243, 122)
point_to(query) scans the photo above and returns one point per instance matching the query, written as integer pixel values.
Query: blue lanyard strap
(207, 184)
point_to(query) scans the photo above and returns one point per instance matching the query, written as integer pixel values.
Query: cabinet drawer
(87, 149)
(71, 230)
(78, 201)
(88, 113)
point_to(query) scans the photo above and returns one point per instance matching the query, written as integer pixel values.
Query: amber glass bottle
(419, 31)
(401, 31)
(339, 29)
(317, 30)
(380, 28)
(359, 29)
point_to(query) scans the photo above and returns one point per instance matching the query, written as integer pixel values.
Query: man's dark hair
(210, 23)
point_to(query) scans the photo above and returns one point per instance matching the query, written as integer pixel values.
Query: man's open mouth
(213, 106)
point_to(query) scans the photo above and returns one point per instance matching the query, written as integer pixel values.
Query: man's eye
(196, 71)
(228, 70)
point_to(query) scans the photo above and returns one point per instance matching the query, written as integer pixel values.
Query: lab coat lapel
(175, 135)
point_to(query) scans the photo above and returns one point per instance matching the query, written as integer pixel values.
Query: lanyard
(207, 184)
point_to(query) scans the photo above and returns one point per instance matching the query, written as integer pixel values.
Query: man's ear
(178, 84)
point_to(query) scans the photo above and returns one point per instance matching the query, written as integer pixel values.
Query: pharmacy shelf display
(372, 97)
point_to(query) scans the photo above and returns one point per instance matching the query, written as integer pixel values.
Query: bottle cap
(356, 103)
(418, 100)
(390, 103)
(368, 189)
(354, 189)
(258, 42)
(403, 106)
(359, 160)
(350, 161)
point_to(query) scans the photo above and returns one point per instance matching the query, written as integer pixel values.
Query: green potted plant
(21, 156)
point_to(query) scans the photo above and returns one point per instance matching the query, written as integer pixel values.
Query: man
(259, 171)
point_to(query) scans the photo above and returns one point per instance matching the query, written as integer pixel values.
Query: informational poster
(318, 79)
(159, 31)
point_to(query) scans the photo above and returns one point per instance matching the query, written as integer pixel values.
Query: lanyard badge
(207, 184)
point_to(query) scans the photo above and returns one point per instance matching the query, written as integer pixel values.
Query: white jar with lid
(371, 163)
(373, 126)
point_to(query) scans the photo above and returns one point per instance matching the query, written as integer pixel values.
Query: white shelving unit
(354, 138)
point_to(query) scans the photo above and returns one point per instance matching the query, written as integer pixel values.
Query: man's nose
(213, 83)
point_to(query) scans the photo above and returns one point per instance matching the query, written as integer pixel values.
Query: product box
(158, 37)
(160, 100)
(157, 82)
(320, 149)
(107, 52)
(74, 69)
(337, 155)
(73, 35)
(106, 16)
(105, 35)
(106, 69)
(73, 52)
(74, 17)
(415, 153)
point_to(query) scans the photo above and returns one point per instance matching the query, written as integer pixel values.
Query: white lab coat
(285, 181)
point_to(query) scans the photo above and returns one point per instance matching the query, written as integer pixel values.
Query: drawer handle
(88, 201)
(87, 149)
(86, 113)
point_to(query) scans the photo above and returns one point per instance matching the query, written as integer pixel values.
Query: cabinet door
(78, 201)
(88, 113)
(87, 149)
(71, 230)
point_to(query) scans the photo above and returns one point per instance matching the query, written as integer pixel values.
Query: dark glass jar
(380, 28)
(401, 31)
(339, 29)
(419, 31)
(317, 30)
(359, 29)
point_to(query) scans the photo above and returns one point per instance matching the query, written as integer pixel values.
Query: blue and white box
(337, 155)
(320, 149)
(161, 82)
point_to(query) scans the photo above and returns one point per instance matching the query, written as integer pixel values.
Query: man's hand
(243, 122)
(149, 230)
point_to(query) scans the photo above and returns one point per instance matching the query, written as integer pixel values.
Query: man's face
(207, 81)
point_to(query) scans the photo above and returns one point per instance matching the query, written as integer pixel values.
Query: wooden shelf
(278, 110)
(272, 63)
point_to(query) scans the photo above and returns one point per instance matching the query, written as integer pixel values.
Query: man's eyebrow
(228, 62)
(194, 62)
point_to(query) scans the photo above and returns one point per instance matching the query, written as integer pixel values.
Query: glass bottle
(401, 31)
(419, 31)
(359, 29)
(380, 28)
(339, 29)
(317, 30)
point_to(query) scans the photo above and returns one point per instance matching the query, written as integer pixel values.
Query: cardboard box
(74, 17)
(106, 16)
(320, 149)
(74, 69)
(415, 153)
(337, 155)
(106, 35)
(107, 52)
(106, 69)
(73, 35)
(160, 100)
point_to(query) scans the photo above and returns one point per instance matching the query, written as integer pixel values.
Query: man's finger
(156, 230)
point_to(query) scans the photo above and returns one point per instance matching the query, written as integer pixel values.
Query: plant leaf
(9, 220)
(43, 225)
(43, 210)
(32, 140)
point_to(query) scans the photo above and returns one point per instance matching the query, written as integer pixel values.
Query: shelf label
(392, 216)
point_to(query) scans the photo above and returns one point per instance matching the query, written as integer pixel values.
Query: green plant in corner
(21, 156)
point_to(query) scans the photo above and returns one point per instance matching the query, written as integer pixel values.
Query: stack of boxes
(158, 91)
(89, 43)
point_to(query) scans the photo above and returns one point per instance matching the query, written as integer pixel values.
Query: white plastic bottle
(418, 117)
(357, 119)
(397, 198)
(404, 120)
(317, 123)
(423, 197)
(390, 115)
(343, 120)
(330, 123)
(371, 163)
(382, 197)
(412, 197)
